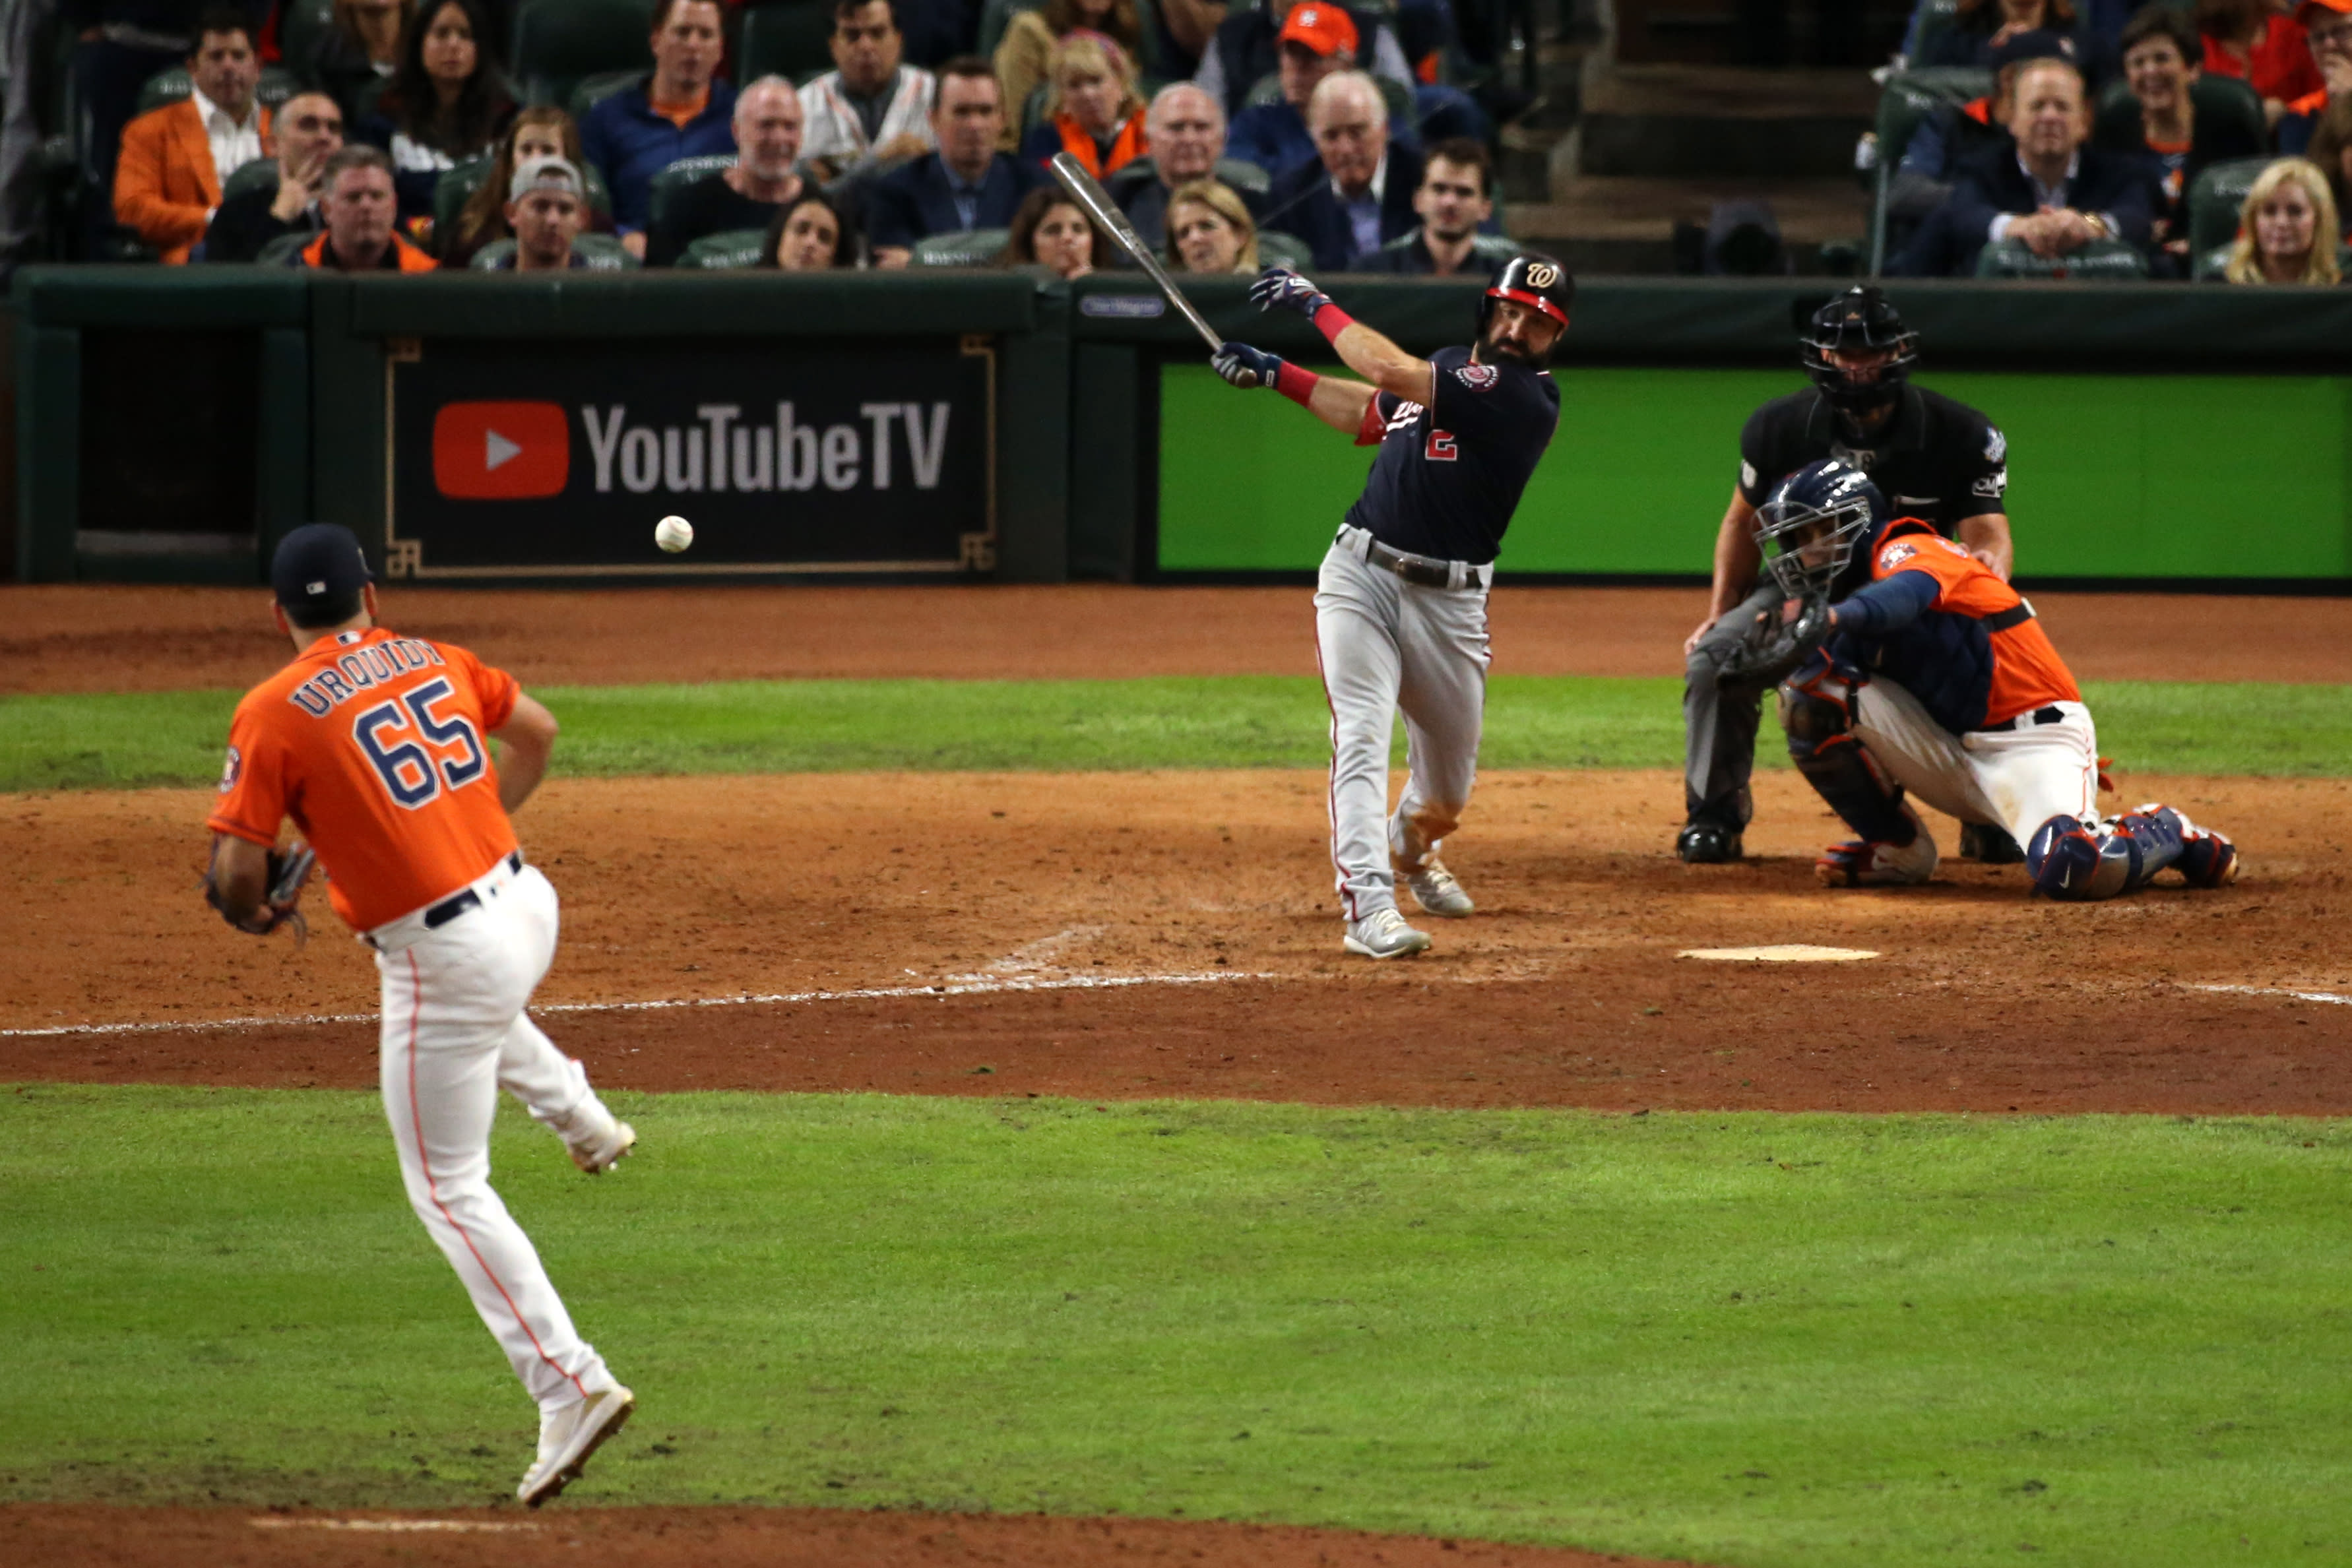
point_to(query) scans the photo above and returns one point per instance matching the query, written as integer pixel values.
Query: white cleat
(600, 1142)
(567, 1438)
(1384, 935)
(1436, 891)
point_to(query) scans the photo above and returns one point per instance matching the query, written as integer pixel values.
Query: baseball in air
(673, 534)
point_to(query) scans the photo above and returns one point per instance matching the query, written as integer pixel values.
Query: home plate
(1785, 952)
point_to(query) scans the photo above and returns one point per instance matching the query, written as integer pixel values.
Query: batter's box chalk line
(1780, 953)
(2335, 997)
(961, 986)
(394, 1526)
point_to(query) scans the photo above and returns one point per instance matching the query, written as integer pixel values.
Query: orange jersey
(2026, 673)
(377, 746)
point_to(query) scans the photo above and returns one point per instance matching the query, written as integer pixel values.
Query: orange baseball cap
(1328, 29)
(2303, 12)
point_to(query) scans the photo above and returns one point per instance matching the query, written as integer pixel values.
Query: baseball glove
(1774, 646)
(289, 871)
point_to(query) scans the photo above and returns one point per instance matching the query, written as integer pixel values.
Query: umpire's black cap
(319, 565)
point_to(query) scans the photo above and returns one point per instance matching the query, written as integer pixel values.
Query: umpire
(1932, 458)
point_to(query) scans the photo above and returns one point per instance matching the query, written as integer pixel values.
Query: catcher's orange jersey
(377, 746)
(2027, 673)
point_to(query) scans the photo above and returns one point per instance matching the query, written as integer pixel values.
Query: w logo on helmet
(1542, 275)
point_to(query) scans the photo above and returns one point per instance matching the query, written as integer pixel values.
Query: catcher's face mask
(1806, 547)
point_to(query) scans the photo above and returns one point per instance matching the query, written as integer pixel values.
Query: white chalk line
(2278, 991)
(394, 1526)
(957, 987)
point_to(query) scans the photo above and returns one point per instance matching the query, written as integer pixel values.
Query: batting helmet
(1535, 280)
(1810, 524)
(1861, 321)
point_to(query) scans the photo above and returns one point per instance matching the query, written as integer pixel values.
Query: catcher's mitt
(1774, 646)
(289, 871)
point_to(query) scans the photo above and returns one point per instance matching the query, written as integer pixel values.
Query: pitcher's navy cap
(318, 563)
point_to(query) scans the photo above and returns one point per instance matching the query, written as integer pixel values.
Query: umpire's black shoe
(1988, 845)
(1707, 843)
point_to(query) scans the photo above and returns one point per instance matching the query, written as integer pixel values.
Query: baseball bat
(1096, 205)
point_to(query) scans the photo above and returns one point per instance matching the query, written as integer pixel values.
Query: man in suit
(309, 130)
(1357, 195)
(167, 182)
(2049, 190)
(966, 185)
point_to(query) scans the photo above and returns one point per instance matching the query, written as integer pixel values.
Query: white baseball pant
(455, 1033)
(2017, 779)
(1386, 644)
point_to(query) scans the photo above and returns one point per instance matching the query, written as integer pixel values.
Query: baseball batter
(377, 746)
(1937, 679)
(1400, 602)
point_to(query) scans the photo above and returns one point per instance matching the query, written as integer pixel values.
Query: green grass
(1750, 1340)
(1242, 721)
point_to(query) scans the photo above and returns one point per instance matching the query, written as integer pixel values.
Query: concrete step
(1626, 224)
(1707, 32)
(1680, 121)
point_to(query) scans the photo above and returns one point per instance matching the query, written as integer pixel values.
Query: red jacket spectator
(2243, 38)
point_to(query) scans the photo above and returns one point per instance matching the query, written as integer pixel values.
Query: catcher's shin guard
(1817, 710)
(2073, 859)
(2202, 857)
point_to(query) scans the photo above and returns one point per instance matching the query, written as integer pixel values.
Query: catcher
(1937, 678)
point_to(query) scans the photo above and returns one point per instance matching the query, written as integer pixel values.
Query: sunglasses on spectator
(2332, 34)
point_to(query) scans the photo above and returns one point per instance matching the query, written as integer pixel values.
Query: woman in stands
(542, 133)
(1983, 25)
(361, 50)
(1208, 229)
(2162, 56)
(2247, 38)
(809, 234)
(1025, 57)
(2287, 228)
(1094, 112)
(1052, 234)
(446, 104)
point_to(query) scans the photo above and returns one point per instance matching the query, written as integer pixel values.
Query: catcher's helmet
(1533, 279)
(1812, 522)
(1861, 321)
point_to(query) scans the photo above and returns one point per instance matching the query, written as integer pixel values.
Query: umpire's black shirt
(1448, 478)
(1936, 460)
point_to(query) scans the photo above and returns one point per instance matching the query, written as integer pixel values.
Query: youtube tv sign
(557, 458)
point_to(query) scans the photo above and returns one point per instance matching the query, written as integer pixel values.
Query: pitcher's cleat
(567, 1438)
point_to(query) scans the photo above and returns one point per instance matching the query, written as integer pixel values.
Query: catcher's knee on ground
(1818, 714)
(2076, 861)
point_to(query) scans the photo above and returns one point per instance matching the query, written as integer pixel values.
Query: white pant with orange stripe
(455, 1033)
(2015, 778)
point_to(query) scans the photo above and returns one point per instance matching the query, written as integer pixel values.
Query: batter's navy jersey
(1448, 478)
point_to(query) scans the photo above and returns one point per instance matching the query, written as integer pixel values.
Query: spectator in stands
(2287, 229)
(167, 181)
(547, 203)
(1187, 130)
(1247, 47)
(120, 44)
(966, 185)
(1455, 196)
(1954, 134)
(1180, 31)
(1052, 232)
(1026, 54)
(1210, 229)
(809, 234)
(361, 50)
(938, 31)
(446, 104)
(745, 196)
(1094, 114)
(1357, 193)
(2246, 38)
(2048, 191)
(869, 110)
(2162, 57)
(2331, 150)
(685, 110)
(1983, 25)
(362, 210)
(543, 131)
(2327, 30)
(1317, 40)
(308, 130)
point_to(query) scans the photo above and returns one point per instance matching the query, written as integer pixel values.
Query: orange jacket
(1079, 143)
(165, 184)
(411, 259)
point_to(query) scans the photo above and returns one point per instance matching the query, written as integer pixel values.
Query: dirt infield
(88, 639)
(1030, 900)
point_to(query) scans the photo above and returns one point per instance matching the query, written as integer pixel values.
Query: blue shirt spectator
(682, 110)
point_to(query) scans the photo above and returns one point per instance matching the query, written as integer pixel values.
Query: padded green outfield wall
(2110, 475)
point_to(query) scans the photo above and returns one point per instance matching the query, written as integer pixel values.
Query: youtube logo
(501, 451)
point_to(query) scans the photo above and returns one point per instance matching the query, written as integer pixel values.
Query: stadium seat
(966, 247)
(559, 42)
(279, 251)
(259, 174)
(786, 38)
(994, 17)
(2215, 197)
(301, 25)
(1936, 18)
(2105, 260)
(728, 251)
(171, 85)
(1267, 88)
(590, 91)
(1905, 103)
(2216, 100)
(676, 177)
(603, 253)
(1276, 248)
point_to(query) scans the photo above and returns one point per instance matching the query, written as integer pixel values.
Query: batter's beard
(1491, 349)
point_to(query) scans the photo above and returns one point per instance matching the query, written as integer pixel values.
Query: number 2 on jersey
(412, 774)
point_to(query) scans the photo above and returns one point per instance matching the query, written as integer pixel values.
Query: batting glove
(1245, 367)
(1279, 289)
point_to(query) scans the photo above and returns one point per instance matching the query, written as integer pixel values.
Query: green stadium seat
(2217, 100)
(454, 188)
(559, 42)
(260, 174)
(729, 251)
(994, 17)
(1936, 19)
(278, 252)
(676, 177)
(603, 253)
(1267, 88)
(967, 247)
(1276, 248)
(301, 25)
(2215, 197)
(787, 38)
(590, 91)
(2105, 260)
(171, 85)
(1906, 102)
